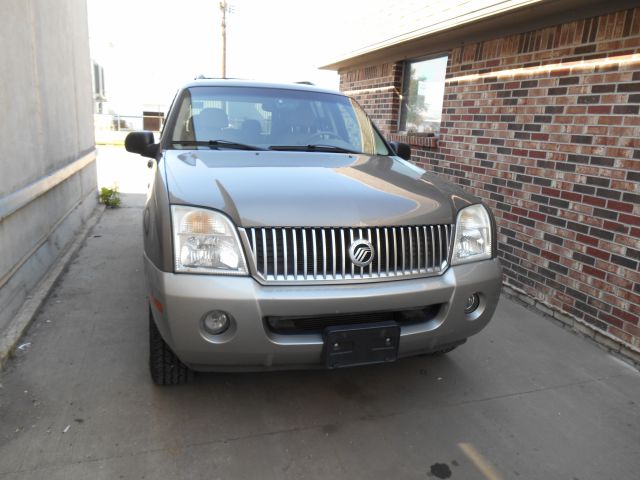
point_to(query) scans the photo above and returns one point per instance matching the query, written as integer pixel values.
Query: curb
(22, 320)
(602, 339)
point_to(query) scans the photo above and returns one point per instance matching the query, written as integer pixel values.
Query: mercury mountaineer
(282, 231)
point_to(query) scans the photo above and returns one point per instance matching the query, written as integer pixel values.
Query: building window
(422, 96)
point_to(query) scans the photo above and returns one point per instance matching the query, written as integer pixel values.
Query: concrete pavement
(523, 399)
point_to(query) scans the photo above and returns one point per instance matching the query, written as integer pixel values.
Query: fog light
(216, 322)
(471, 304)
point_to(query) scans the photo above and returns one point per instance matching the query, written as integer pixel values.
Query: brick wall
(377, 89)
(544, 127)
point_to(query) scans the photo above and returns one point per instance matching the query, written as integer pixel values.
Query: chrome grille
(296, 254)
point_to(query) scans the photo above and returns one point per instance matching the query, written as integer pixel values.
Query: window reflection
(423, 96)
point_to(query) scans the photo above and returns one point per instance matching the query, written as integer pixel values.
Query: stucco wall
(45, 94)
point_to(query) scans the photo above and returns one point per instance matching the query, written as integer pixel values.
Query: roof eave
(505, 22)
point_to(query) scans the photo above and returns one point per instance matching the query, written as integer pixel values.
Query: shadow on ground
(523, 399)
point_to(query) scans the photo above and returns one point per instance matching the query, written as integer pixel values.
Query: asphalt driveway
(523, 399)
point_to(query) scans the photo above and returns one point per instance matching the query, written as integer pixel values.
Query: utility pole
(223, 9)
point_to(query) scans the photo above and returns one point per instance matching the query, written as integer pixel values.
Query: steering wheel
(324, 135)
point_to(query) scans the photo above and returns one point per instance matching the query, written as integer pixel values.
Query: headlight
(473, 235)
(205, 242)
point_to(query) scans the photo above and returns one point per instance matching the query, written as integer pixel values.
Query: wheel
(166, 368)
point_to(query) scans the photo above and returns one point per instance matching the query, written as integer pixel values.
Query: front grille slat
(378, 249)
(426, 249)
(321, 254)
(304, 250)
(315, 253)
(395, 251)
(410, 250)
(446, 231)
(433, 248)
(274, 247)
(386, 249)
(404, 265)
(418, 246)
(361, 268)
(264, 252)
(350, 242)
(324, 255)
(295, 253)
(333, 252)
(371, 264)
(437, 262)
(253, 243)
(439, 245)
(344, 255)
(284, 245)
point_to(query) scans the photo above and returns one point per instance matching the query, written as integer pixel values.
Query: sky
(148, 48)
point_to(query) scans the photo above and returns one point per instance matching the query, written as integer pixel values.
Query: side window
(350, 125)
(360, 130)
(183, 129)
(423, 96)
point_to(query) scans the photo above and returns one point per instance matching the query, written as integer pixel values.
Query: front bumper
(250, 345)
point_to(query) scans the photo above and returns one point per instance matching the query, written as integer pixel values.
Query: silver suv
(282, 231)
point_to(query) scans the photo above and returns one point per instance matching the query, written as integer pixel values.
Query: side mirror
(402, 150)
(141, 143)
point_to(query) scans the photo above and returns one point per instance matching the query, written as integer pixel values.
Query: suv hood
(269, 188)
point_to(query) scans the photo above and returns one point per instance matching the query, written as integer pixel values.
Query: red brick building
(536, 111)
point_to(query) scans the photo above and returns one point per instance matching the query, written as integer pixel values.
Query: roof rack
(204, 77)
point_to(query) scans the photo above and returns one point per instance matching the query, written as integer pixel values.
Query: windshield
(269, 118)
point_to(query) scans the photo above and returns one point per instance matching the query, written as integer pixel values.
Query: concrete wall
(544, 126)
(47, 167)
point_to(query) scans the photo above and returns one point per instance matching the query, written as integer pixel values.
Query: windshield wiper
(312, 148)
(216, 144)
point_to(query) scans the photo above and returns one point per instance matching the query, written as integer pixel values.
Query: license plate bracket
(365, 344)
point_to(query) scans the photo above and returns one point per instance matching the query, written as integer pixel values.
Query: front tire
(164, 365)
